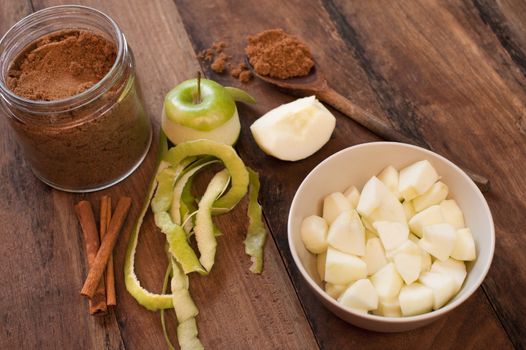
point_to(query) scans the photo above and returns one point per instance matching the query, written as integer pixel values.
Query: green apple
(212, 115)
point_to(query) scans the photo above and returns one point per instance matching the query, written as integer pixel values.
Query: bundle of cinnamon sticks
(99, 286)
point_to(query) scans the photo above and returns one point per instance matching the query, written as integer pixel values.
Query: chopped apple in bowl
(395, 248)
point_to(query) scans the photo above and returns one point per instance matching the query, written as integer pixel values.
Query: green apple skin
(215, 108)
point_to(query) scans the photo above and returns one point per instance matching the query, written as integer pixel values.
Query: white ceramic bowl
(354, 166)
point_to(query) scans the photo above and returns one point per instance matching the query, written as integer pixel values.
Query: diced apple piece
(408, 247)
(464, 246)
(439, 240)
(341, 268)
(388, 308)
(452, 213)
(409, 209)
(390, 209)
(442, 285)
(320, 265)
(374, 256)
(314, 234)
(416, 179)
(347, 233)
(353, 196)
(333, 205)
(387, 281)
(392, 234)
(372, 195)
(361, 295)
(408, 266)
(430, 216)
(426, 260)
(436, 194)
(335, 290)
(415, 299)
(453, 268)
(389, 176)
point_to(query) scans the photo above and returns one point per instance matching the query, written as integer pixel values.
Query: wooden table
(452, 73)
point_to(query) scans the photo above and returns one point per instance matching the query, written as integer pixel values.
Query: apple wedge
(361, 295)
(387, 281)
(442, 285)
(341, 268)
(389, 176)
(416, 299)
(353, 196)
(453, 268)
(295, 130)
(439, 240)
(464, 246)
(452, 213)
(314, 234)
(392, 234)
(416, 179)
(436, 194)
(347, 234)
(333, 205)
(429, 216)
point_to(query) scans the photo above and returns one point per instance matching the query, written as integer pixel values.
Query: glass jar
(88, 141)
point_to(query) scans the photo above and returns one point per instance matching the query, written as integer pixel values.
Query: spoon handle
(383, 128)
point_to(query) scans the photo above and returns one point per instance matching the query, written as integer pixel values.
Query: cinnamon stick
(109, 275)
(97, 304)
(106, 247)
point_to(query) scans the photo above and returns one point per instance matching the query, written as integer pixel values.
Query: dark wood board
(452, 74)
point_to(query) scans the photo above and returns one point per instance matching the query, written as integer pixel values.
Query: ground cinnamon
(277, 54)
(97, 304)
(108, 243)
(61, 65)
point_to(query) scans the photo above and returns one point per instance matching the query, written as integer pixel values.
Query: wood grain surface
(450, 73)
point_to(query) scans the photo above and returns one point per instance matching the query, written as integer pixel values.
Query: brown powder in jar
(61, 65)
(90, 145)
(277, 54)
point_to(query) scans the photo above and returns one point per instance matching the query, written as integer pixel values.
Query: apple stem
(197, 98)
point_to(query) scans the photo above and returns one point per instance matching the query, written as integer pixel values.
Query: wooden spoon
(315, 84)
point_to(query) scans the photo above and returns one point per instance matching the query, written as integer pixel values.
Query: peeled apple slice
(464, 246)
(377, 203)
(372, 195)
(436, 194)
(341, 268)
(347, 234)
(453, 268)
(388, 307)
(314, 234)
(442, 285)
(333, 205)
(415, 299)
(439, 240)
(452, 213)
(389, 176)
(353, 196)
(416, 179)
(361, 295)
(430, 216)
(295, 130)
(392, 234)
(387, 281)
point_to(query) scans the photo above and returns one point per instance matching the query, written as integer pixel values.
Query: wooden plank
(373, 53)
(238, 309)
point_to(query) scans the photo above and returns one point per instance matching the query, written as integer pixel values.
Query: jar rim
(93, 91)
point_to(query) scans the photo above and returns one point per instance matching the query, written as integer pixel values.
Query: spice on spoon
(277, 54)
